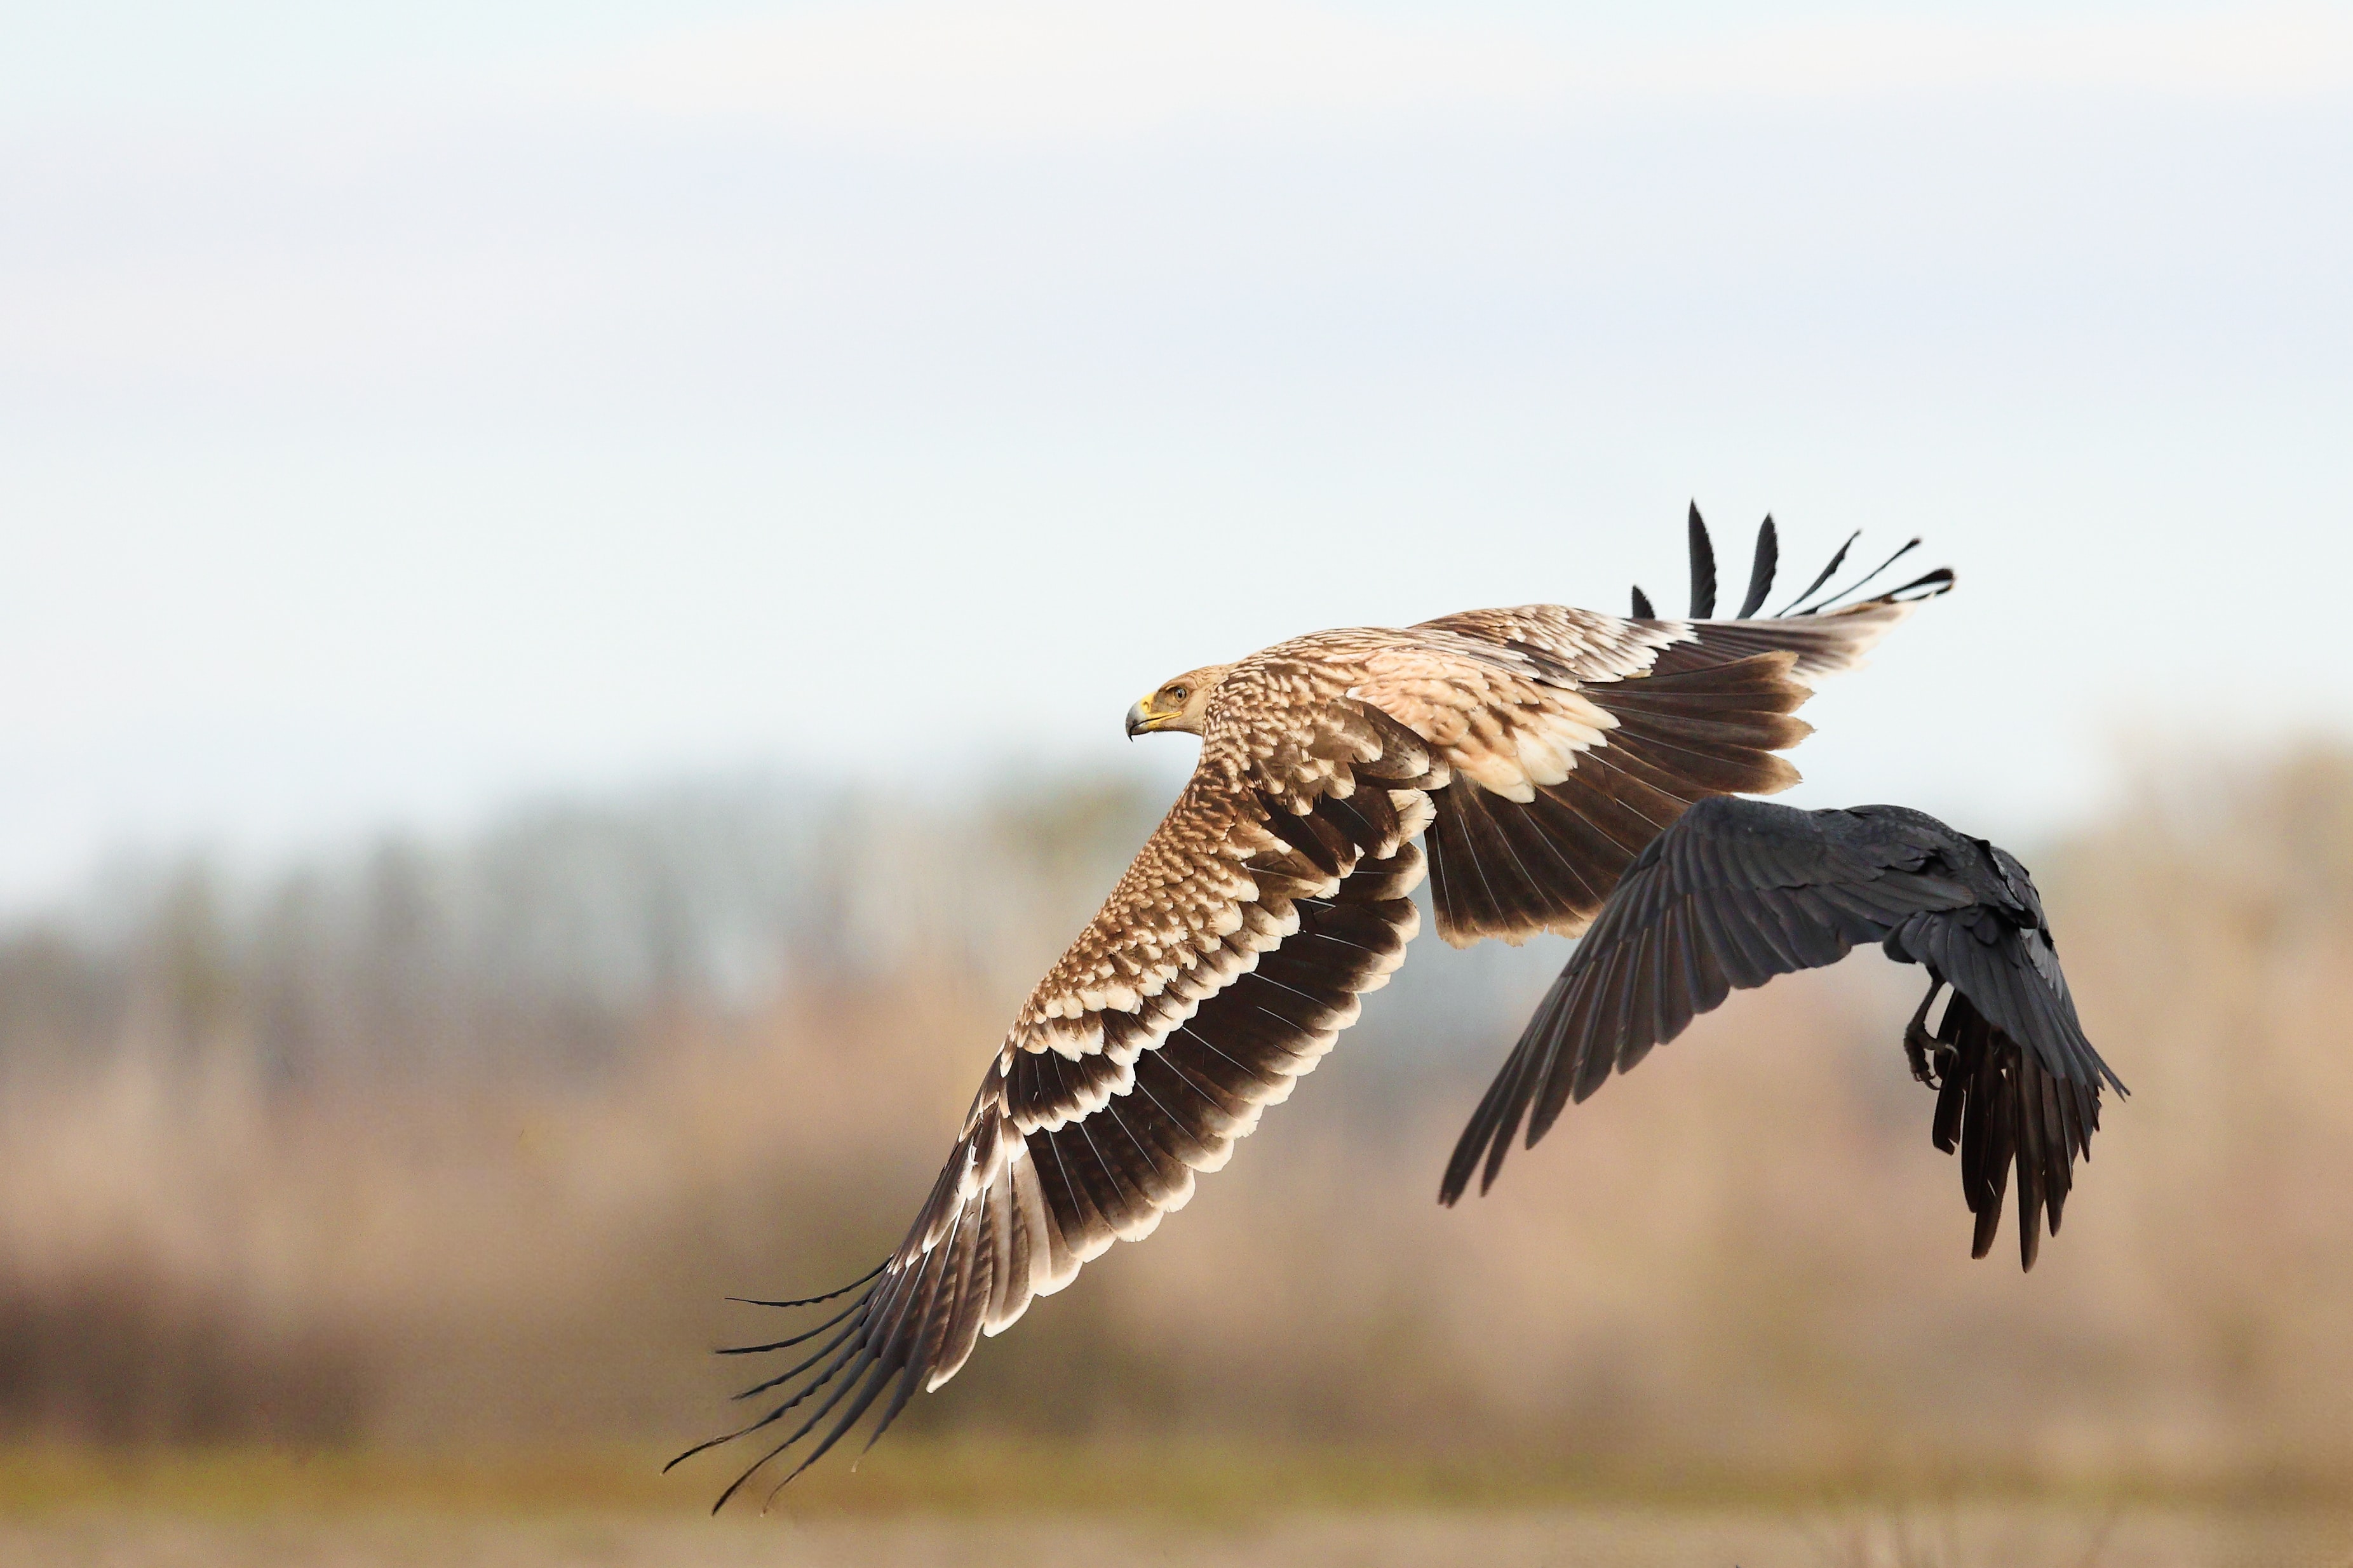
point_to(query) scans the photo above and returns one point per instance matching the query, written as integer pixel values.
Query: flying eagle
(1739, 892)
(1534, 751)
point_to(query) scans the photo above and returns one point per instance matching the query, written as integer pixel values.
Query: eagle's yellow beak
(1144, 718)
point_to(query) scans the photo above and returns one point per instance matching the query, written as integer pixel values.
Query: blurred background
(573, 572)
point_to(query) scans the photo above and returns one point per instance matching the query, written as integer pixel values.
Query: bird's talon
(1928, 1059)
(1919, 1045)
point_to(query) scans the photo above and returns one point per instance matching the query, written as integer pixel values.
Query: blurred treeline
(463, 1143)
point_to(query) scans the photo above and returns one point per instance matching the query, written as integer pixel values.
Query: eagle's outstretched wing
(1739, 891)
(1539, 748)
(1590, 734)
(1226, 962)
(1586, 750)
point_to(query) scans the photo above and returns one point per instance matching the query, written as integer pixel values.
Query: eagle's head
(1179, 703)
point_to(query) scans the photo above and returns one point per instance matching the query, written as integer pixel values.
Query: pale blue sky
(115, 55)
(405, 408)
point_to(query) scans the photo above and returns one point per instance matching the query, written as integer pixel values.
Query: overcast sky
(408, 407)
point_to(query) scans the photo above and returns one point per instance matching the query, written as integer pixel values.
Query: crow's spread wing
(1736, 892)
(1739, 892)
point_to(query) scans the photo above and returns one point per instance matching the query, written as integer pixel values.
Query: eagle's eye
(1176, 694)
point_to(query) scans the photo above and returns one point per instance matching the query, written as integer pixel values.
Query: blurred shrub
(461, 1142)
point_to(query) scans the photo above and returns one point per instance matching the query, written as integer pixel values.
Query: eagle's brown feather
(1537, 748)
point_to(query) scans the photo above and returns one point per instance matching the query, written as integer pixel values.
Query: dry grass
(975, 1503)
(1588, 1536)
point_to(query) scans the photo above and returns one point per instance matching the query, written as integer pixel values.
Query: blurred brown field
(415, 1179)
(1605, 1536)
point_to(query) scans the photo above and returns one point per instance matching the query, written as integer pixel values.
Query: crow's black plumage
(1737, 891)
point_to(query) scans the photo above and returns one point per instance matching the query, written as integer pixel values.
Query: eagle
(1520, 758)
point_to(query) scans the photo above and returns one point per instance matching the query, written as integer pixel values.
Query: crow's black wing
(1736, 892)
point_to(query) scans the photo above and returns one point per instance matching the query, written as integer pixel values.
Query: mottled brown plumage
(1537, 750)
